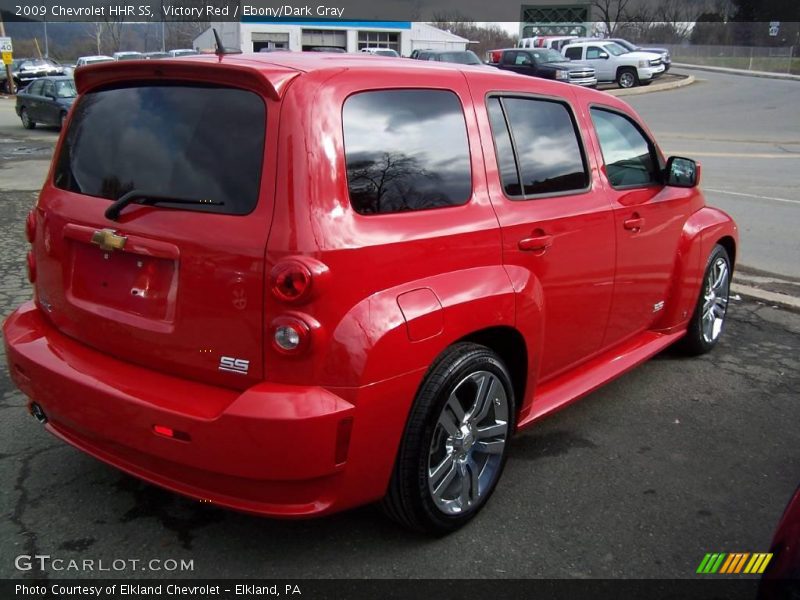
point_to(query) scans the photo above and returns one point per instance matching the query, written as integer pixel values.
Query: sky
(510, 27)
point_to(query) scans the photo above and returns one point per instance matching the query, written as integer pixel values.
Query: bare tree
(612, 13)
(94, 32)
(113, 29)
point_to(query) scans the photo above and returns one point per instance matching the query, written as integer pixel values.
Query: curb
(654, 88)
(729, 71)
(772, 298)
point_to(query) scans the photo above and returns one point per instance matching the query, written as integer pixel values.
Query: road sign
(5, 44)
(7, 58)
(774, 27)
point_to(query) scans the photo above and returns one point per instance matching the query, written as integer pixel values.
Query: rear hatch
(176, 281)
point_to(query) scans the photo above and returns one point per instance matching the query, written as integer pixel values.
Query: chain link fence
(751, 58)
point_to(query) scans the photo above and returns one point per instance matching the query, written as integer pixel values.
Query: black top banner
(767, 11)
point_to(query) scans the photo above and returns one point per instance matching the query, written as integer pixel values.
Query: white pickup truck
(612, 62)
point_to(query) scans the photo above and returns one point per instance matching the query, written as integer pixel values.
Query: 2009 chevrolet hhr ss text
(292, 284)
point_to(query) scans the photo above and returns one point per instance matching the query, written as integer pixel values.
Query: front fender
(701, 232)
(376, 341)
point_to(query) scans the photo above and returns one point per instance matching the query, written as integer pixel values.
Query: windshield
(129, 56)
(182, 141)
(467, 57)
(625, 44)
(97, 60)
(66, 89)
(548, 56)
(615, 49)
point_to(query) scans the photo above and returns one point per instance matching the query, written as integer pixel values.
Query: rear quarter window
(188, 141)
(406, 150)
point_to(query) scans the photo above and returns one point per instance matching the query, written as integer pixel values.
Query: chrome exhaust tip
(38, 413)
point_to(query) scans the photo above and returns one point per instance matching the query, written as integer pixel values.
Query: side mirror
(603, 55)
(682, 172)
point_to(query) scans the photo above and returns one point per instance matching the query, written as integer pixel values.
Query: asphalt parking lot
(678, 458)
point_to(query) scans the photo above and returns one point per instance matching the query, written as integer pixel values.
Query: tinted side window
(36, 88)
(573, 53)
(506, 162)
(629, 156)
(546, 145)
(187, 141)
(522, 58)
(406, 150)
(48, 89)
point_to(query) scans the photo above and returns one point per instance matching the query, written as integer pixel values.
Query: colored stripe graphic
(727, 564)
(703, 563)
(758, 563)
(711, 563)
(734, 563)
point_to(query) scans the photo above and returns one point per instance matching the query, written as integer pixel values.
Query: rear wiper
(143, 197)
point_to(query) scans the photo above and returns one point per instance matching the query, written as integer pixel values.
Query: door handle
(539, 243)
(635, 223)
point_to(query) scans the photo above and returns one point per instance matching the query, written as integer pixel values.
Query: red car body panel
(318, 432)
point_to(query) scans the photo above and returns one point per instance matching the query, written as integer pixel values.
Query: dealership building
(352, 36)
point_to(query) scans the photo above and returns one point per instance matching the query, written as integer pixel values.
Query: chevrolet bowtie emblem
(108, 240)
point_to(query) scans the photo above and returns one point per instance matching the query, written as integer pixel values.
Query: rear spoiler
(269, 79)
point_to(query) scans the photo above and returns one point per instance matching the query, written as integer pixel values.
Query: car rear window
(406, 150)
(188, 141)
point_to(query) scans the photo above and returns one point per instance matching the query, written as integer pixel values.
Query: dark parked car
(25, 70)
(46, 101)
(544, 63)
(461, 57)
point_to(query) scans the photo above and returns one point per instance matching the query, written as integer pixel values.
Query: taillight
(30, 262)
(290, 335)
(290, 281)
(169, 432)
(30, 226)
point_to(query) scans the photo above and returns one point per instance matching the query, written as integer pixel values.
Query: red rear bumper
(273, 449)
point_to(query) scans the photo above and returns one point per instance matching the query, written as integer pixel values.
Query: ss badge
(234, 365)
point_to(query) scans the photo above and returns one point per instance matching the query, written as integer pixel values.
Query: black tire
(27, 123)
(62, 120)
(410, 500)
(627, 78)
(697, 340)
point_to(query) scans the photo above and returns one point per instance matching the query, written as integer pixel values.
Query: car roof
(276, 69)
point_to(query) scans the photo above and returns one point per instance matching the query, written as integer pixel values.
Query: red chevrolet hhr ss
(291, 284)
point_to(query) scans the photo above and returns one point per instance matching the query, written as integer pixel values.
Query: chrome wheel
(715, 299)
(466, 451)
(627, 80)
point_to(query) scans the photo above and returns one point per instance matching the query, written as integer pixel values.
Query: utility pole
(9, 75)
(163, 30)
(46, 45)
